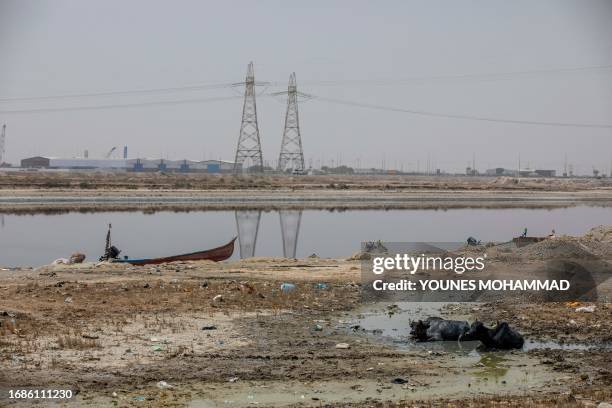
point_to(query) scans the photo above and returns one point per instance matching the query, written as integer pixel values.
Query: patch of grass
(73, 341)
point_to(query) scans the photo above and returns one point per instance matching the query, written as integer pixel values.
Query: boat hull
(216, 254)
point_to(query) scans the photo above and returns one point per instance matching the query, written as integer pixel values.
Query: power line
(465, 117)
(490, 76)
(325, 99)
(498, 75)
(118, 106)
(117, 93)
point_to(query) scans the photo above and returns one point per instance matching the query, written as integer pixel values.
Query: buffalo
(500, 337)
(437, 329)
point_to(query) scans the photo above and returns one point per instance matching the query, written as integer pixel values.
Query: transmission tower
(291, 153)
(248, 151)
(2, 141)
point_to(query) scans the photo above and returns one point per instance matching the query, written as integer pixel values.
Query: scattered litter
(343, 346)
(90, 336)
(247, 287)
(76, 258)
(357, 387)
(114, 394)
(317, 327)
(233, 379)
(49, 274)
(68, 300)
(139, 398)
(572, 304)
(321, 286)
(60, 261)
(586, 309)
(157, 347)
(211, 327)
(399, 380)
(287, 287)
(218, 298)
(163, 384)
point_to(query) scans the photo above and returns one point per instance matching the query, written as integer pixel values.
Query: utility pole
(248, 150)
(291, 154)
(2, 142)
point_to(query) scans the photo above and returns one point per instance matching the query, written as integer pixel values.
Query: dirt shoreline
(113, 332)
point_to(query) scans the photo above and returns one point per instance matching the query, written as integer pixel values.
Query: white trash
(343, 346)
(163, 384)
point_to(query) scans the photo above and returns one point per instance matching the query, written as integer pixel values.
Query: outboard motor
(110, 251)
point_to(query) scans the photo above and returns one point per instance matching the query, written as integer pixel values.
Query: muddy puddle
(390, 323)
(470, 375)
(442, 369)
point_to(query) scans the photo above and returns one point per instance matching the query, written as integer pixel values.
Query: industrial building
(205, 166)
(185, 166)
(500, 171)
(36, 162)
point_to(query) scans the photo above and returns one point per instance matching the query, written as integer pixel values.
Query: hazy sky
(445, 57)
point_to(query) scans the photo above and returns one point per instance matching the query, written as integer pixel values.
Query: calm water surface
(32, 240)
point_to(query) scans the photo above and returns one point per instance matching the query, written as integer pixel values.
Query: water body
(33, 240)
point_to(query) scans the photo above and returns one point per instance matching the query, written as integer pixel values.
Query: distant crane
(110, 152)
(2, 141)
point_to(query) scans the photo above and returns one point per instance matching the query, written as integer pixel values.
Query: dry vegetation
(197, 181)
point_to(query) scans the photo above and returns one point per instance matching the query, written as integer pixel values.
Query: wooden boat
(216, 254)
(524, 241)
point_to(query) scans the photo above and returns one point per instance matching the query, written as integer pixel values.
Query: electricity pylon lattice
(248, 151)
(291, 153)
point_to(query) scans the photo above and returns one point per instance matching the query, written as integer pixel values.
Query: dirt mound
(602, 233)
(360, 256)
(557, 248)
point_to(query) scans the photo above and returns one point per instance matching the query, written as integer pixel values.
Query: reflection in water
(290, 221)
(247, 224)
(2, 220)
(492, 365)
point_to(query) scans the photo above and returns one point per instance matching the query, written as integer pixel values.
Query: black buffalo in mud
(500, 337)
(437, 329)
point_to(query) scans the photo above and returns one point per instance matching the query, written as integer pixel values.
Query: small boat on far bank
(221, 253)
(215, 254)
